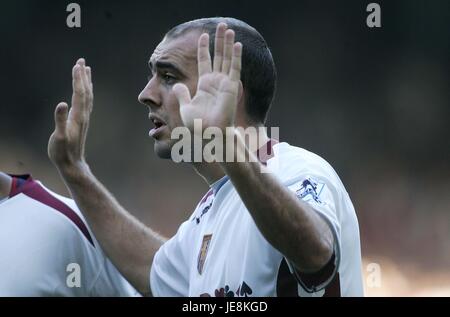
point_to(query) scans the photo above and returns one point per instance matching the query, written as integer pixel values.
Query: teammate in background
(47, 249)
(290, 232)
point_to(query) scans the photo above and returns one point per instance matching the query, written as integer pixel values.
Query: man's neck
(5, 185)
(212, 172)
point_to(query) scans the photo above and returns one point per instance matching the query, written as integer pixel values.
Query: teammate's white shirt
(219, 251)
(45, 243)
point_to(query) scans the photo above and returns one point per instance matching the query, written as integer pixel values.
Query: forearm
(126, 241)
(288, 223)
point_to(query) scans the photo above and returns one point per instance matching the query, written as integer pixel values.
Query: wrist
(74, 171)
(237, 151)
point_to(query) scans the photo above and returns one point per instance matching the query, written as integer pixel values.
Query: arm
(288, 223)
(126, 241)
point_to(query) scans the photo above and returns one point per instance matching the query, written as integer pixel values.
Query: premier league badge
(311, 188)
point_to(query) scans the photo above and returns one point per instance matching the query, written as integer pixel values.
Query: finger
(84, 79)
(77, 84)
(89, 80)
(61, 111)
(84, 76)
(203, 56)
(182, 93)
(89, 75)
(227, 51)
(218, 46)
(90, 88)
(236, 62)
(78, 96)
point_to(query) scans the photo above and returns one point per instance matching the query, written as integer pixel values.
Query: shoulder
(38, 208)
(290, 163)
(66, 209)
(101, 276)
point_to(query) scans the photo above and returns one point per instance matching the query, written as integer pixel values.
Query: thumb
(182, 93)
(61, 118)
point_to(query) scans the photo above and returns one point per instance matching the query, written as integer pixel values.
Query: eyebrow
(167, 66)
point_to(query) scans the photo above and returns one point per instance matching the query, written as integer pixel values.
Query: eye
(168, 78)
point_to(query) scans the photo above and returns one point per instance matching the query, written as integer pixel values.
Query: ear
(241, 114)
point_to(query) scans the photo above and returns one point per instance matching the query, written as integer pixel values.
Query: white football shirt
(219, 251)
(47, 249)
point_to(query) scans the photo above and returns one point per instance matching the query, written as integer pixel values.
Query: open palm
(66, 145)
(216, 98)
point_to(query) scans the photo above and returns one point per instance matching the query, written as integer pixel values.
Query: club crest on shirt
(203, 252)
(312, 188)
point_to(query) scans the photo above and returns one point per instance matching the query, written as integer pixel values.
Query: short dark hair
(258, 74)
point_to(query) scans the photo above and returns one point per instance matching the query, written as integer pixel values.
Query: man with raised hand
(292, 231)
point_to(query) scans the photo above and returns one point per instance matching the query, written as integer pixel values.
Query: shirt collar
(218, 184)
(264, 154)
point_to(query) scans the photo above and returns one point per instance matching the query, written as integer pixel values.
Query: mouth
(159, 126)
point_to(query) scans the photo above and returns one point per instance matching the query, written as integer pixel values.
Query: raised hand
(67, 143)
(216, 98)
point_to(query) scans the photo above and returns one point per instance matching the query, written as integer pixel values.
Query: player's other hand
(67, 143)
(218, 86)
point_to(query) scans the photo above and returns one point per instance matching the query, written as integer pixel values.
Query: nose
(150, 95)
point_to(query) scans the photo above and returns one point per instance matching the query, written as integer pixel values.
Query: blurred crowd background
(372, 102)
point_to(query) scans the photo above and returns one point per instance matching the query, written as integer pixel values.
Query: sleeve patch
(310, 189)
